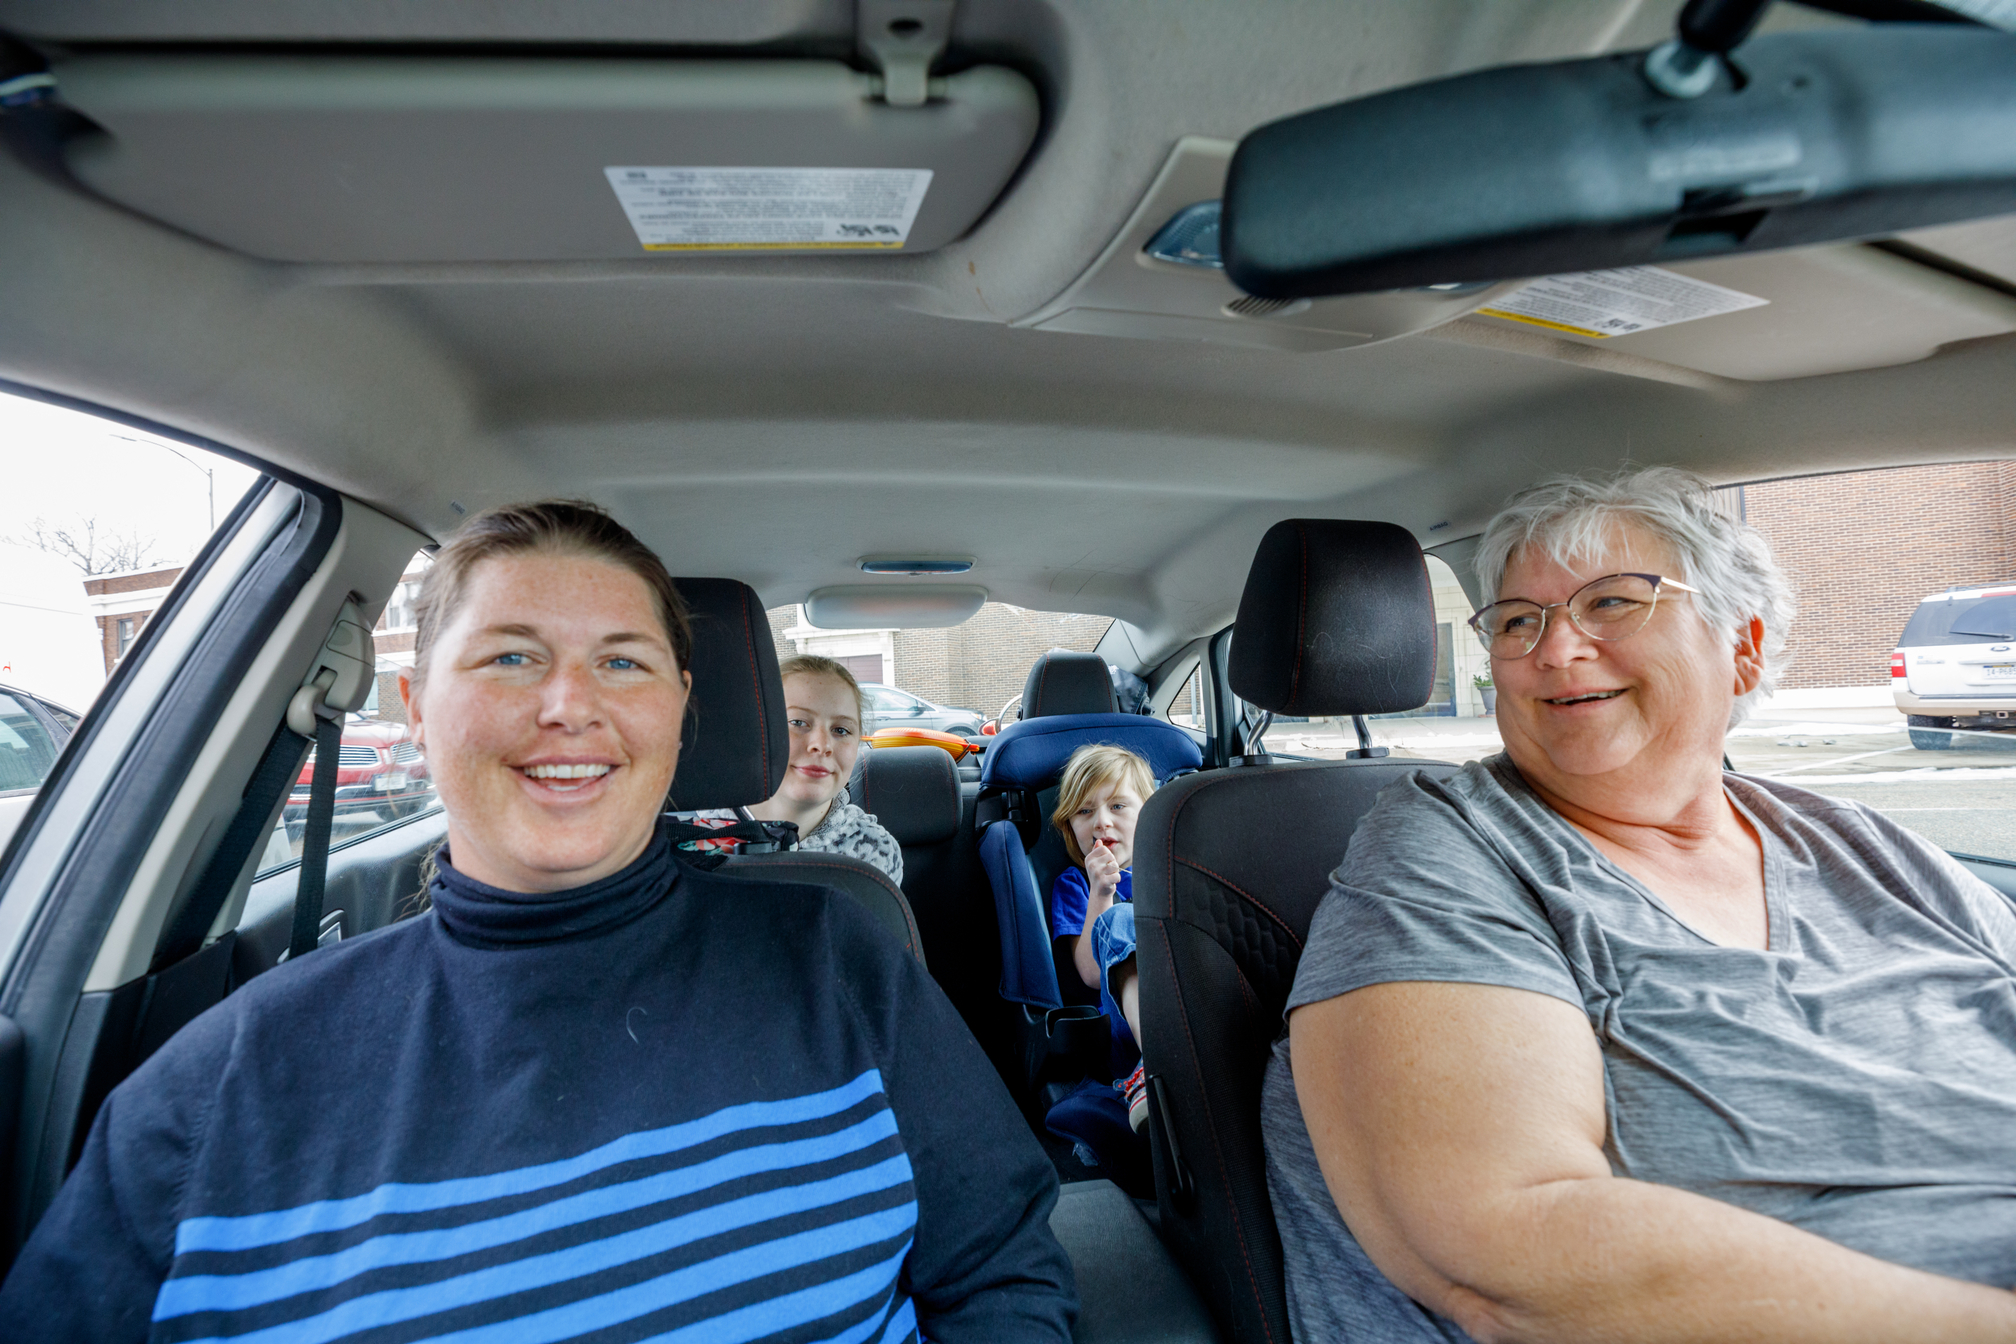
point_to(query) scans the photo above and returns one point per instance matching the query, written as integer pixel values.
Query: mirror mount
(1685, 66)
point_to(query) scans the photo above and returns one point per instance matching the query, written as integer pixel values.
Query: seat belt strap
(314, 873)
(337, 683)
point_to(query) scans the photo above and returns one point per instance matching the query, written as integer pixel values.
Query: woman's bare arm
(1460, 1129)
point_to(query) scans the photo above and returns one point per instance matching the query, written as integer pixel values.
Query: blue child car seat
(1020, 852)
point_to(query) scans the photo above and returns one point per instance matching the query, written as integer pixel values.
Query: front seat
(735, 746)
(1337, 619)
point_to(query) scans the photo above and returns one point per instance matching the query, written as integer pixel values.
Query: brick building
(1862, 548)
(978, 665)
(121, 604)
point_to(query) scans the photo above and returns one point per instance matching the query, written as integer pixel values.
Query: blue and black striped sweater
(670, 1106)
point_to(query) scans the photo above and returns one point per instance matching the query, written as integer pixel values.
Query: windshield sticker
(1618, 302)
(736, 209)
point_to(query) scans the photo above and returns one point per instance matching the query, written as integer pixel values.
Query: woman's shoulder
(1422, 810)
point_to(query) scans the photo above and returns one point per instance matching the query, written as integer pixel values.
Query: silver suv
(891, 708)
(1955, 666)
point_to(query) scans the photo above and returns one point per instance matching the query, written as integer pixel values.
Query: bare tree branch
(82, 546)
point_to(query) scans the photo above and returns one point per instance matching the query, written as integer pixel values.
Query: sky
(64, 466)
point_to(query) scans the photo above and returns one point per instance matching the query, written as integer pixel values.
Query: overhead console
(1161, 278)
(377, 159)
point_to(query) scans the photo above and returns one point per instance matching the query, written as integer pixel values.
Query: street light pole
(209, 473)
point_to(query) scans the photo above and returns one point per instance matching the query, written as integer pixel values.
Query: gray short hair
(1571, 518)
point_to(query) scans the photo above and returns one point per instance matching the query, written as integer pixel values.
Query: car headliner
(776, 417)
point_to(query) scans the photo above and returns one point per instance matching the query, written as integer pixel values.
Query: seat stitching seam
(1244, 895)
(1301, 617)
(1211, 1127)
(756, 684)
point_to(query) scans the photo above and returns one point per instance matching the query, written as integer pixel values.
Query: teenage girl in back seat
(825, 709)
(1098, 804)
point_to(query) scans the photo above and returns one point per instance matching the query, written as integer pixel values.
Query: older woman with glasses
(1594, 1040)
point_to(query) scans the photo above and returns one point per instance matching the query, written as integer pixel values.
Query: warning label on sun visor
(1619, 302)
(732, 209)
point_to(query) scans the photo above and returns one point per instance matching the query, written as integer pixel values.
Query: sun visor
(893, 606)
(425, 159)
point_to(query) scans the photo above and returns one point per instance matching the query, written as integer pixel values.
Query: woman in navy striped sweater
(570, 1100)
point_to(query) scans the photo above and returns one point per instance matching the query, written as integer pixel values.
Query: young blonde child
(1098, 804)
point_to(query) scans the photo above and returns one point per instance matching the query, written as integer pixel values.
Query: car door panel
(125, 844)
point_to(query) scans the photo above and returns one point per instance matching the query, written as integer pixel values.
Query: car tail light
(1897, 663)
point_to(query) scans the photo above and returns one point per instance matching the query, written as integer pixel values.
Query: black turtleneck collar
(485, 915)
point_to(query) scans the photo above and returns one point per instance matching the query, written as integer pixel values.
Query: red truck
(379, 769)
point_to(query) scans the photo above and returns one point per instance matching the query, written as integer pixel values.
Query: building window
(124, 633)
(399, 609)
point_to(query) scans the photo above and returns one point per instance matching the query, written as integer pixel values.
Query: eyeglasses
(1613, 607)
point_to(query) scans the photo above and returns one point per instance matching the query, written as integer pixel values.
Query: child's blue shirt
(1071, 893)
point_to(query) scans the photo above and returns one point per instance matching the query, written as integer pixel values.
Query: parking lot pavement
(1962, 800)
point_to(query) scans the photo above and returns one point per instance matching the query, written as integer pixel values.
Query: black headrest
(1063, 682)
(1337, 618)
(735, 746)
(913, 792)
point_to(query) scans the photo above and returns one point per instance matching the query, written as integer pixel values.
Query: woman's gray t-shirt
(1856, 1078)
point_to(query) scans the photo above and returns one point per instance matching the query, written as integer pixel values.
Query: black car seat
(735, 746)
(1337, 619)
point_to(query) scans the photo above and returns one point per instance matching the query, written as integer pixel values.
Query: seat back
(876, 891)
(735, 746)
(1337, 618)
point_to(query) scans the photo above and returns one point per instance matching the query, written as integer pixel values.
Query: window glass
(1900, 692)
(26, 750)
(963, 675)
(1186, 708)
(381, 773)
(97, 521)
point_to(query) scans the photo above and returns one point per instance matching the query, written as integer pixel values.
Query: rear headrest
(735, 745)
(1031, 754)
(1337, 618)
(913, 792)
(1063, 682)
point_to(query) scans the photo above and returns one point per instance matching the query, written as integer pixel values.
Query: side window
(97, 521)
(26, 750)
(1186, 707)
(1900, 692)
(381, 773)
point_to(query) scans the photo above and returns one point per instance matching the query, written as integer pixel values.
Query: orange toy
(921, 737)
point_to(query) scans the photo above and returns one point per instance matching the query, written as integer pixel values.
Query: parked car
(891, 708)
(1955, 666)
(32, 734)
(379, 769)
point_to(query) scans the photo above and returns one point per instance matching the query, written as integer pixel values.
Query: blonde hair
(815, 665)
(1089, 770)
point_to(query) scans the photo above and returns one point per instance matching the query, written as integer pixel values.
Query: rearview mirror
(1583, 165)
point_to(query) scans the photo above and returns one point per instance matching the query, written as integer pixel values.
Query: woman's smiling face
(825, 721)
(1632, 709)
(549, 713)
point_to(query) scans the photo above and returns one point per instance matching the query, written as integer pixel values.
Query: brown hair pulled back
(818, 665)
(554, 527)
